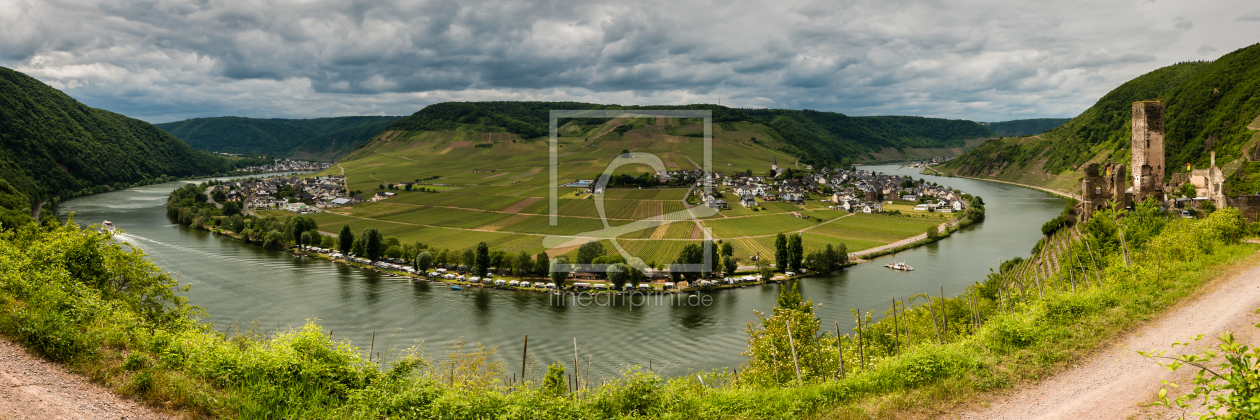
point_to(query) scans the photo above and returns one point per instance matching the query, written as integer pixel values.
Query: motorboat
(899, 265)
(109, 226)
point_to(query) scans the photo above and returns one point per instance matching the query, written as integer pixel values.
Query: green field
(498, 193)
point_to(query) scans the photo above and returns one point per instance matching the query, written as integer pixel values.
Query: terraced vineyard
(494, 188)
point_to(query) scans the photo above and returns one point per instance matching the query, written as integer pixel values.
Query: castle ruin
(1148, 150)
(1101, 185)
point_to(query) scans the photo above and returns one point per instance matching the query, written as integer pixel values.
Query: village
(287, 165)
(848, 190)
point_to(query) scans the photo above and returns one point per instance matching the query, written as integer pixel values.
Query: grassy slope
(318, 138)
(503, 207)
(1208, 107)
(52, 145)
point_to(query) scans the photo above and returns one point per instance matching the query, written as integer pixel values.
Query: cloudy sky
(983, 60)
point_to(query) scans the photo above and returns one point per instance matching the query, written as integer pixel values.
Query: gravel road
(1116, 382)
(32, 388)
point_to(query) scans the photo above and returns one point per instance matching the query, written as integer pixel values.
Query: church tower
(1148, 149)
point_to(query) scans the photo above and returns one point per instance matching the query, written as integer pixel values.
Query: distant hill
(1208, 106)
(812, 136)
(54, 146)
(1016, 128)
(313, 139)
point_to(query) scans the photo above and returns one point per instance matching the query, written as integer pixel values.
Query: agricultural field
(494, 187)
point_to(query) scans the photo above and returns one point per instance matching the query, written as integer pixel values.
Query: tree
(559, 271)
(469, 258)
(589, 251)
(541, 265)
(727, 249)
(327, 242)
(231, 208)
(636, 276)
(345, 240)
(481, 261)
(394, 252)
(781, 252)
(618, 274)
(304, 240)
(796, 252)
(766, 272)
(729, 265)
(424, 261)
(443, 258)
(522, 264)
(316, 238)
(555, 384)
(933, 233)
(372, 248)
(274, 240)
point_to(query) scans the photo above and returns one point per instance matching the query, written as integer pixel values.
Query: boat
(456, 288)
(109, 226)
(899, 265)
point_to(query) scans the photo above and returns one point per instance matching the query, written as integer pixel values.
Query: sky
(998, 60)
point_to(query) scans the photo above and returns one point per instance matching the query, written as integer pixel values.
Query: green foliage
(1227, 384)
(1016, 128)
(559, 271)
(317, 138)
(835, 137)
(781, 255)
(54, 146)
(554, 384)
(589, 251)
(345, 240)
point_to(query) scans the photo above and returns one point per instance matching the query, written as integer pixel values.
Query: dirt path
(1114, 381)
(32, 388)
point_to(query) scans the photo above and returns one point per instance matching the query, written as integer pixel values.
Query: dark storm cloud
(163, 60)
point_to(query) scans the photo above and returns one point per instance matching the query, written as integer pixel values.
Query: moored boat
(899, 265)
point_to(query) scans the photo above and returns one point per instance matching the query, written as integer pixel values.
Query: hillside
(814, 137)
(1208, 108)
(54, 146)
(313, 139)
(1015, 128)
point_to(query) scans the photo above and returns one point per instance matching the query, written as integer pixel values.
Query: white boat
(109, 226)
(899, 265)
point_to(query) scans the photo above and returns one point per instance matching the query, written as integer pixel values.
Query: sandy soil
(32, 388)
(1116, 382)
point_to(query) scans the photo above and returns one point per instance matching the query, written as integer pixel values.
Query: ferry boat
(902, 266)
(109, 226)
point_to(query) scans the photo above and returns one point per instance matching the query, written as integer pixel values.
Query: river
(243, 284)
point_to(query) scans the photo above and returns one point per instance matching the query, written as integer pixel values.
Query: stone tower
(1148, 150)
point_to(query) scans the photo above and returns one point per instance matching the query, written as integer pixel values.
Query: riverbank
(1051, 191)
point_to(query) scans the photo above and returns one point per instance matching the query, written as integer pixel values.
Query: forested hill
(314, 139)
(1208, 106)
(813, 136)
(54, 146)
(1027, 127)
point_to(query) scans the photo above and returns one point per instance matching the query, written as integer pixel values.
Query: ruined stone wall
(1248, 204)
(1148, 149)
